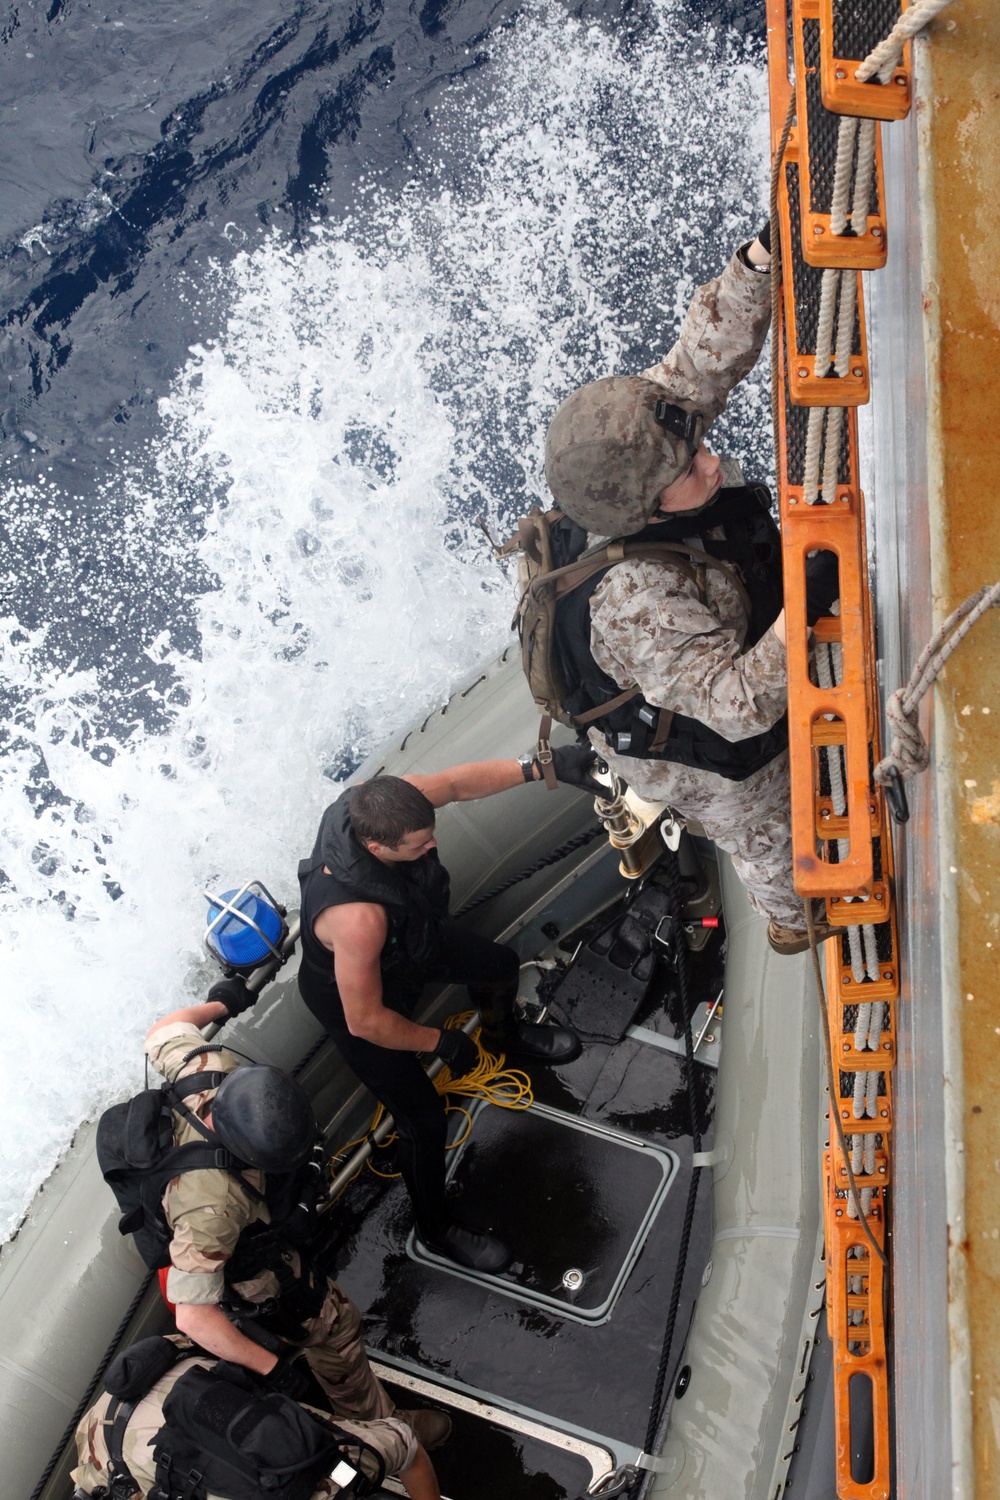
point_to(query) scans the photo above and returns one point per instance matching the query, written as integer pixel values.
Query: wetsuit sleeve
(648, 626)
(720, 339)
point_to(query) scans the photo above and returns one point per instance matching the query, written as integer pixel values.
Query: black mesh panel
(859, 26)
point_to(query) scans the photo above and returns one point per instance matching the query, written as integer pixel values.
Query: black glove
(765, 236)
(459, 1051)
(822, 584)
(292, 1378)
(234, 994)
(573, 765)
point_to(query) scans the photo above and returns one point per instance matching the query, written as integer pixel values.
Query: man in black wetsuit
(375, 929)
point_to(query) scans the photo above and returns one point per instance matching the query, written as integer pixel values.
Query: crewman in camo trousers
(132, 1444)
(226, 1249)
(687, 657)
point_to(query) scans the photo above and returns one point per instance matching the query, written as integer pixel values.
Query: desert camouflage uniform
(389, 1436)
(648, 626)
(207, 1211)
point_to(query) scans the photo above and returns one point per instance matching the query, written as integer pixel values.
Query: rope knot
(909, 752)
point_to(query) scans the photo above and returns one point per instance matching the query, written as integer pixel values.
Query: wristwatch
(527, 764)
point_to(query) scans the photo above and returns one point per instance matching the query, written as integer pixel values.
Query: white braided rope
(871, 1091)
(857, 1153)
(831, 451)
(908, 750)
(883, 58)
(871, 950)
(858, 1099)
(846, 314)
(863, 175)
(829, 288)
(846, 135)
(814, 445)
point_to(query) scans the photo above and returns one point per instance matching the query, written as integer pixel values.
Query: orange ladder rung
(818, 131)
(841, 91)
(801, 293)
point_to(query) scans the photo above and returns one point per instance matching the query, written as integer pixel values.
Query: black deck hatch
(574, 1200)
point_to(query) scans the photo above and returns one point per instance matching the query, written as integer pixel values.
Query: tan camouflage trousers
(750, 820)
(335, 1351)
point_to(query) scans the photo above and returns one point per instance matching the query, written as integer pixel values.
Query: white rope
(846, 314)
(824, 322)
(831, 451)
(908, 751)
(883, 58)
(859, 1095)
(846, 135)
(857, 957)
(863, 176)
(871, 1094)
(814, 443)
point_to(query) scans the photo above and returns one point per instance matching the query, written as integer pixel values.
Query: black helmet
(263, 1116)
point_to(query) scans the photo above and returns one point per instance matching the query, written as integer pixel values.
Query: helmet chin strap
(679, 515)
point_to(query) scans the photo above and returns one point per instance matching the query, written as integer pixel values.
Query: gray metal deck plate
(567, 1196)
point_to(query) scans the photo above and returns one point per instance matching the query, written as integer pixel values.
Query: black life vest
(752, 547)
(138, 1158)
(414, 894)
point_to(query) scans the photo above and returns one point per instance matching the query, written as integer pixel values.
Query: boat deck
(557, 1192)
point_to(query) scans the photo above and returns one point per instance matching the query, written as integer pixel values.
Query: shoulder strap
(194, 1083)
(562, 581)
(219, 1156)
(122, 1485)
(531, 536)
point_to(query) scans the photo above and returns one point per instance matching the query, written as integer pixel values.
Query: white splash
(322, 460)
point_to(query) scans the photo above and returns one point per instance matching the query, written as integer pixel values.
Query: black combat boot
(472, 1248)
(546, 1043)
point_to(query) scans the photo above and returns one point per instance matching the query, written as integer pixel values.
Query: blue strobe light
(245, 927)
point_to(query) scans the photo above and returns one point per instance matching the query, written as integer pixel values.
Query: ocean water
(288, 301)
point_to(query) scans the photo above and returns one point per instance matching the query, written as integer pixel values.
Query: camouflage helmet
(613, 447)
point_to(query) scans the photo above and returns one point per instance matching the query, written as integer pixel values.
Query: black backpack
(137, 1155)
(223, 1435)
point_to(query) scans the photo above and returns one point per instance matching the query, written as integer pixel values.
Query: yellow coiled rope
(507, 1088)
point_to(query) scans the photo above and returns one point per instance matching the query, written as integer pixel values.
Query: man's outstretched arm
(722, 334)
(482, 778)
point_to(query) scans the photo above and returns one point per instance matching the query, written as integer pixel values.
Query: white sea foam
(321, 461)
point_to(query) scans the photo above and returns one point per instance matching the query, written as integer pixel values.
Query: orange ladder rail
(842, 847)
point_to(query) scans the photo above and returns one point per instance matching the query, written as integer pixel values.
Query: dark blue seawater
(288, 295)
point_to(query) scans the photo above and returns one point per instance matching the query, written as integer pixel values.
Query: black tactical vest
(752, 547)
(414, 894)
